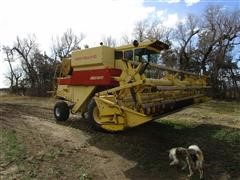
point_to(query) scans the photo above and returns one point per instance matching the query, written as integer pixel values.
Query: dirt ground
(34, 146)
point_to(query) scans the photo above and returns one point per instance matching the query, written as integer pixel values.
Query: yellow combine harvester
(120, 88)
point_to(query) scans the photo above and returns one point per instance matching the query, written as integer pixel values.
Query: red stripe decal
(91, 77)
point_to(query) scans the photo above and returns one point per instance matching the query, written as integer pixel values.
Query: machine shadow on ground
(148, 146)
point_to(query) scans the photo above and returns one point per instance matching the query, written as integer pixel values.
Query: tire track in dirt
(40, 132)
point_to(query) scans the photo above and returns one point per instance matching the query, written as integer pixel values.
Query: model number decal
(96, 77)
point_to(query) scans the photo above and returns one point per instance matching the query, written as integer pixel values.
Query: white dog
(191, 157)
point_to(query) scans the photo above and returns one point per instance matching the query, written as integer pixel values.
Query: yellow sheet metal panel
(82, 68)
(113, 117)
(65, 92)
(65, 67)
(76, 94)
(80, 95)
(97, 56)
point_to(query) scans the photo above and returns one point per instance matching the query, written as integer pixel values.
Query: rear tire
(61, 111)
(92, 112)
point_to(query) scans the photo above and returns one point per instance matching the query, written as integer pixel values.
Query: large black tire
(90, 116)
(61, 111)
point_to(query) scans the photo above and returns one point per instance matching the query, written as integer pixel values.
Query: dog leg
(201, 169)
(189, 167)
(201, 173)
(184, 166)
(175, 161)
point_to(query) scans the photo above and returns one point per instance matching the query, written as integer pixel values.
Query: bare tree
(64, 45)
(45, 67)
(126, 39)
(157, 30)
(109, 41)
(38, 67)
(15, 73)
(185, 34)
(140, 30)
(9, 59)
(225, 35)
(25, 49)
(151, 29)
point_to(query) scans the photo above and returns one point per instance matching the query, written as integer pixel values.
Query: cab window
(118, 55)
(128, 55)
(146, 55)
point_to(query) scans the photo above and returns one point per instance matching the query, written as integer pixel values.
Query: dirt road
(72, 150)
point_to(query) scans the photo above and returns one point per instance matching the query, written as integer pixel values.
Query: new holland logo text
(87, 57)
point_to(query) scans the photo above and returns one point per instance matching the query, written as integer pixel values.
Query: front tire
(93, 113)
(61, 111)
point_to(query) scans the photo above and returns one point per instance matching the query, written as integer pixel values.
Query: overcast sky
(94, 18)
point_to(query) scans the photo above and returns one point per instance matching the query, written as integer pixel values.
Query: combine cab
(120, 88)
